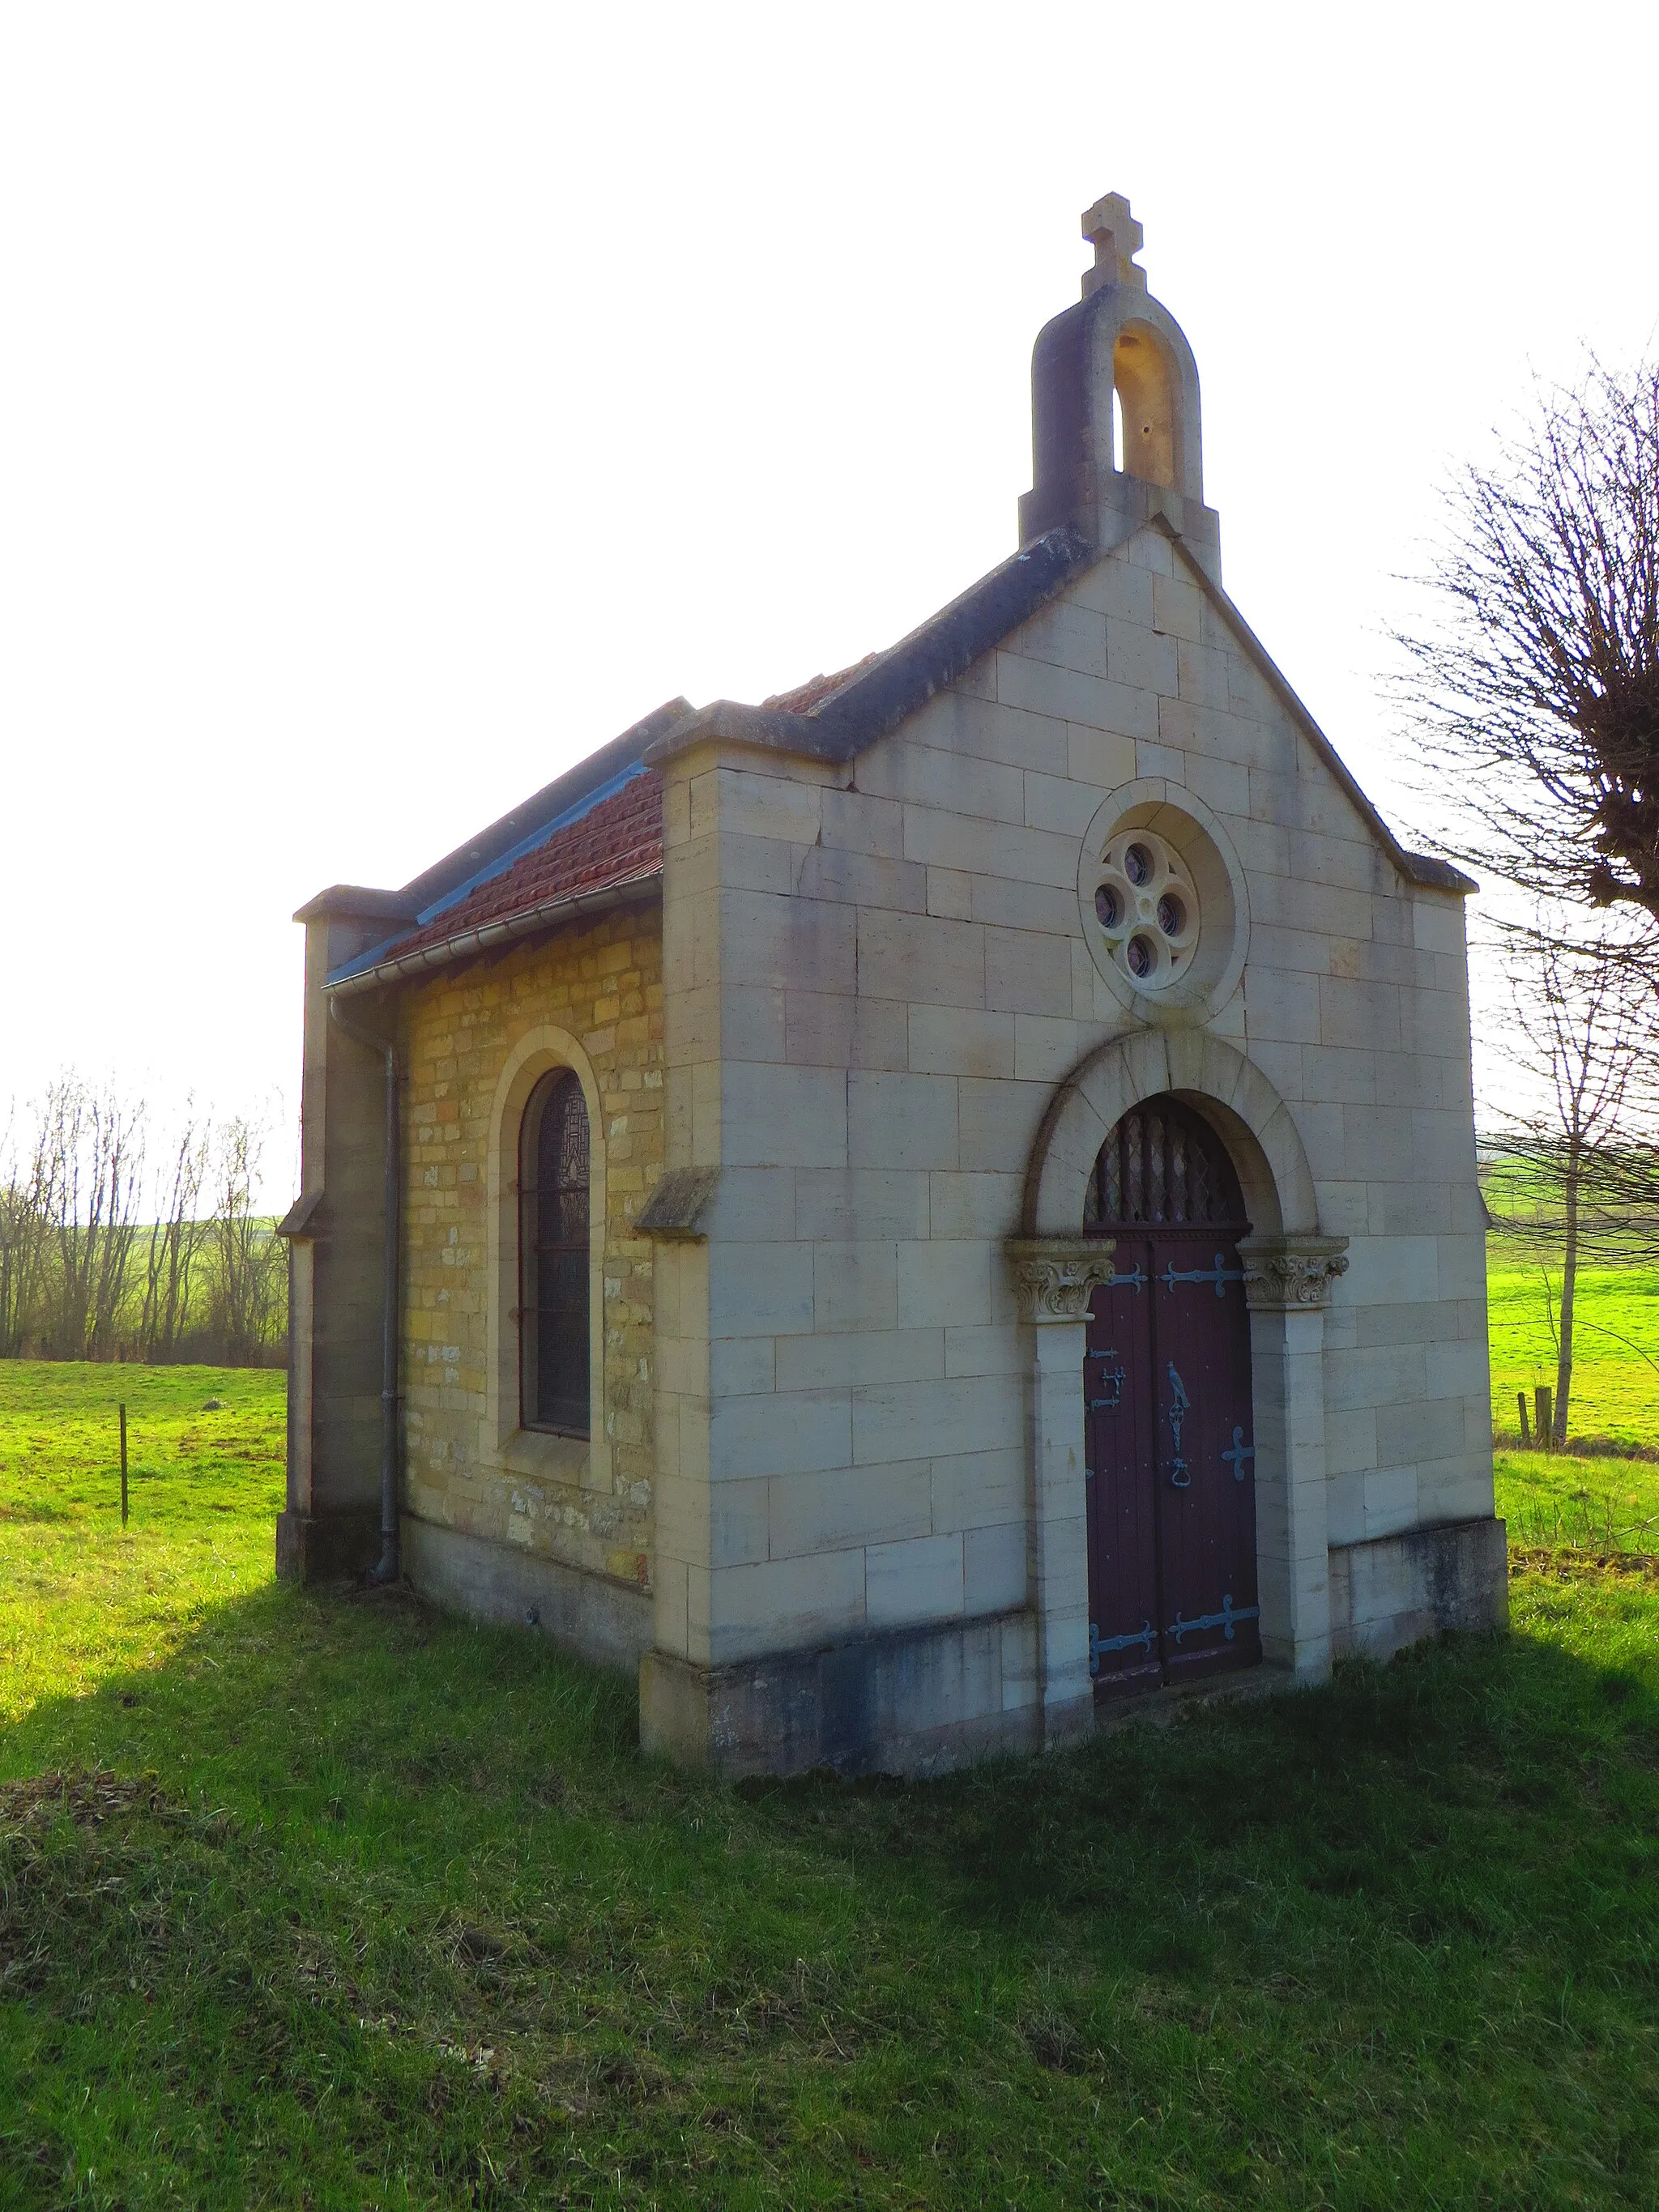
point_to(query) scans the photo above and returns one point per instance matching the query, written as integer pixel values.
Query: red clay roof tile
(816, 690)
(617, 841)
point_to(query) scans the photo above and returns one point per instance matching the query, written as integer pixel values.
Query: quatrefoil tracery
(1146, 908)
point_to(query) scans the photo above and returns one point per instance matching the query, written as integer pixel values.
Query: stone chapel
(913, 1212)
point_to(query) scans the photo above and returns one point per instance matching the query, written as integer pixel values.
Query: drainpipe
(389, 1568)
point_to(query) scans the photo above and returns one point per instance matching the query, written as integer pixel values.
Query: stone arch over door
(1227, 1089)
(1289, 1268)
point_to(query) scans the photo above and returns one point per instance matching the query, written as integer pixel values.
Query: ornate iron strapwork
(1221, 1274)
(1225, 1619)
(1241, 1451)
(1180, 1405)
(1099, 1643)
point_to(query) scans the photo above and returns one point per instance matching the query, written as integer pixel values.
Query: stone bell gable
(1034, 1247)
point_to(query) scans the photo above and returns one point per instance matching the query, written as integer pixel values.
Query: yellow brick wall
(603, 983)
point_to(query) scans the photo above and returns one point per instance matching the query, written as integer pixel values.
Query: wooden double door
(1170, 1437)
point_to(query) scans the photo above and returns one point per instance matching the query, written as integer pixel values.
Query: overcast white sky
(397, 401)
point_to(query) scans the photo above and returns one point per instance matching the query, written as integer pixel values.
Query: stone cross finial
(1116, 238)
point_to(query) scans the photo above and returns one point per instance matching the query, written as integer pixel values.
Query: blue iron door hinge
(1225, 1618)
(1220, 1274)
(1099, 1643)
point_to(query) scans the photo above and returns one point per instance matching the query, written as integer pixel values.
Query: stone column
(1055, 1277)
(1287, 1283)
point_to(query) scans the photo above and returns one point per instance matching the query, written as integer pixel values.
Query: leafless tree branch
(1534, 697)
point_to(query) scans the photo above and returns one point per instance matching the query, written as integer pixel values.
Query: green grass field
(1593, 1506)
(1605, 1501)
(1615, 1390)
(320, 1902)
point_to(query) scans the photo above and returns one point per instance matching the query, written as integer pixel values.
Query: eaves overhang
(413, 917)
(489, 937)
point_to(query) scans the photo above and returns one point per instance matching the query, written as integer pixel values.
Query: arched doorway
(1169, 1434)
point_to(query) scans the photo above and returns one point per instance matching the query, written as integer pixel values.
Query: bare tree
(175, 1244)
(22, 1242)
(249, 1264)
(1535, 695)
(88, 1168)
(82, 1276)
(1582, 1035)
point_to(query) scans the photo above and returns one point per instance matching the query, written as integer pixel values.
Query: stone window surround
(580, 1461)
(1196, 836)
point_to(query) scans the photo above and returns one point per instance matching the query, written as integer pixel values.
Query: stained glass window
(553, 1202)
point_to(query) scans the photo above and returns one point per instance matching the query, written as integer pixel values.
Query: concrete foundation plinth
(918, 1701)
(1395, 1590)
(602, 1621)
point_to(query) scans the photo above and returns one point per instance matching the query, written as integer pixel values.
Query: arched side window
(553, 1232)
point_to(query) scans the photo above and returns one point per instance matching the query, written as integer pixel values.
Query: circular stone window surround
(1166, 912)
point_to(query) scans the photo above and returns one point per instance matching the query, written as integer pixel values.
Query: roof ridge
(881, 691)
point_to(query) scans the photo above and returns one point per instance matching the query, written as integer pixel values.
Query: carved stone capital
(1057, 1276)
(1288, 1274)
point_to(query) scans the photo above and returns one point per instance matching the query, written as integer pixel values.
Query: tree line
(118, 1243)
(1532, 693)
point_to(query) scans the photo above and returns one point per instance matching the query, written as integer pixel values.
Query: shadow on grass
(401, 1897)
(1473, 1784)
(380, 1726)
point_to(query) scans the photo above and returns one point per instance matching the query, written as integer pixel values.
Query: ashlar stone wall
(879, 975)
(475, 1041)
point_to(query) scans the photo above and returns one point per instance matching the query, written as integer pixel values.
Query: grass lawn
(1615, 1391)
(321, 1902)
(1590, 1505)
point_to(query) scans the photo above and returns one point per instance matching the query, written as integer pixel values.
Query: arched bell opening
(1143, 382)
(1169, 1423)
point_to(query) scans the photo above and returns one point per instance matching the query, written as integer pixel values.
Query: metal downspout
(390, 1567)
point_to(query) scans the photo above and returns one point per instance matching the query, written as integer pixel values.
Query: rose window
(1147, 909)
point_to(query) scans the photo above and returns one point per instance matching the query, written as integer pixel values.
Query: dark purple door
(1171, 1483)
